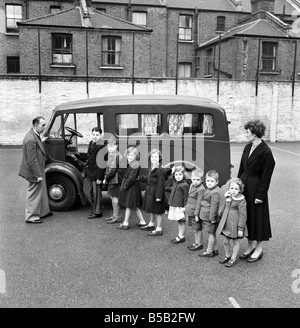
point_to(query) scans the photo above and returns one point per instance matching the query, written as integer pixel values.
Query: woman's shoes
(254, 259)
(178, 240)
(244, 256)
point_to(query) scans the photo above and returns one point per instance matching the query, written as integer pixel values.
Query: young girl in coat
(177, 202)
(233, 223)
(196, 192)
(154, 200)
(130, 192)
(209, 208)
(112, 179)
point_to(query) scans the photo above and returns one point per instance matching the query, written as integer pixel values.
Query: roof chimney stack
(262, 5)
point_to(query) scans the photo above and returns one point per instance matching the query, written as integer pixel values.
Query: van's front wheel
(61, 192)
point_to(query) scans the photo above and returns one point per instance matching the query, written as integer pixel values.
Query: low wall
(20, 102)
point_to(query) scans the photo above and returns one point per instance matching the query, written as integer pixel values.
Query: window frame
(57, 8)
(15, 30)
(140, 12)
(185, 32)
(192, 129)
(269, 58)
(62, 50)
(139, 119)
(14, 62)
(221, 24)
(184, 65)
(111, 57)
(209, 62)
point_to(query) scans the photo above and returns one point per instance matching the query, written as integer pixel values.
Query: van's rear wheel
(61, 192)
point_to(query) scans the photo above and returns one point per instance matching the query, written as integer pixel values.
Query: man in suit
(94, 176)
(33, 170)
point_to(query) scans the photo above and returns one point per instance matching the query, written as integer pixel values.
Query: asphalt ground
(72, 262)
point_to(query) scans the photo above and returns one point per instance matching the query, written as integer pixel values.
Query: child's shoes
(230, 263)
(123, 227)
(178, 240)
(155, 233)
(206, 254)
(195, 247)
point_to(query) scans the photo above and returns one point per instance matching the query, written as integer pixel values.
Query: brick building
(261, 46)
(83, 41)
(178, 27)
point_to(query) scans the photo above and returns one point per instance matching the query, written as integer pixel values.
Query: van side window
(179, 124)
(146, 124)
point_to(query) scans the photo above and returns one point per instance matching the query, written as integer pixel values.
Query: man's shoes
(47, 215)
(147, 228)
(155, 233)
(34, 221)
(254, 259)
(94, 216)
(215, 252)
(114, 220)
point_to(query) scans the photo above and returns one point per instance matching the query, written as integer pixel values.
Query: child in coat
(233, 222)
(209, 211)
(94, 175)
(196, 192)
(130, 192)
(111, 177)
(177, 202)
(154, 199)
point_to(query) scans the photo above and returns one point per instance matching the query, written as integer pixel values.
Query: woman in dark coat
(130, 190)
(154, 198)
(256, 169)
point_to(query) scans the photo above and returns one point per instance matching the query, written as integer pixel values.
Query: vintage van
(189, 131)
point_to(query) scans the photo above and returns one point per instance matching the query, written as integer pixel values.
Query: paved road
(69, 261)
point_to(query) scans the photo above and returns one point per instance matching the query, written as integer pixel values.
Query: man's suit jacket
(33, 160)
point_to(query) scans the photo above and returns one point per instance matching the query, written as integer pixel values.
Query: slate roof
(278, 10)
(260, 28)
(214, 5)
(73, 18)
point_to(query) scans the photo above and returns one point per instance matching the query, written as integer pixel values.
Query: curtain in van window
(208, 124)
(176, 124)
(149, 124)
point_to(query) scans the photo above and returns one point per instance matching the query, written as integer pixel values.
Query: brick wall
(239, 58)
(29, 58)
(21, 102)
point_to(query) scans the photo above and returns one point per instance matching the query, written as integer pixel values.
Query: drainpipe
(257, 69)
(294, 72)
(196, 38)
(128, 11)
